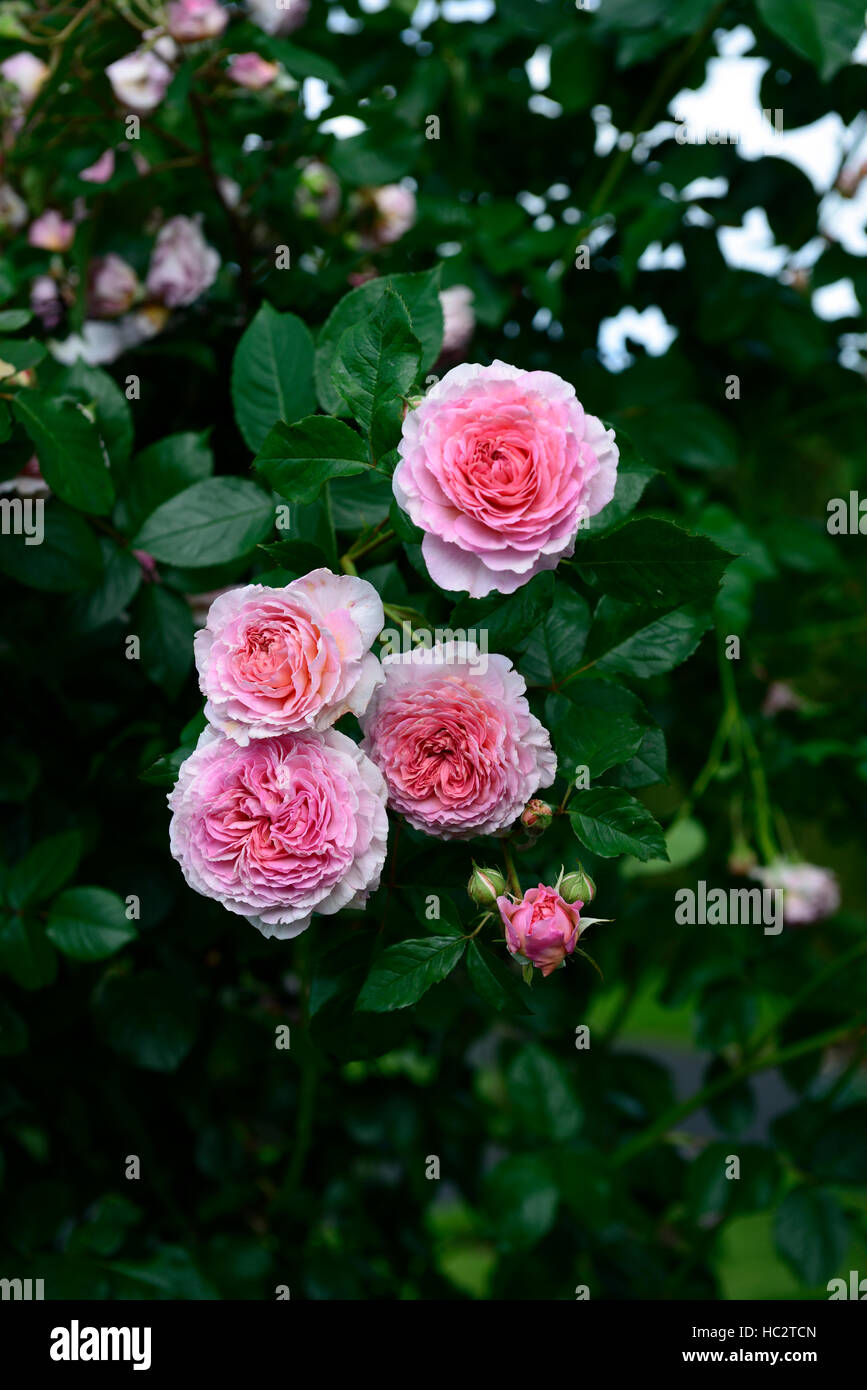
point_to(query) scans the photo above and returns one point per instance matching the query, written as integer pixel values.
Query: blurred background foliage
(163, 1044)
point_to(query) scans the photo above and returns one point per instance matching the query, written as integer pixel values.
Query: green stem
(511, 872)
(307, 1090)
(834, 967)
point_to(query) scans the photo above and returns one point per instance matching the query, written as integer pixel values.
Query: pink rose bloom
(252, 71)
(140, 80)
(459, 321)
(51, 232)
(272, 661)
(393, 214)
(112, 288)
(455, 740)
(541, 927)
(192, 20)
(809, 891)
(46, 301)
(101, 170)
(27, 73)
(498, 466)
(281, 828)
(183, 265)
(278, 16)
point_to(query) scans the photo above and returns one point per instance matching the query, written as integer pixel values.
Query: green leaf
(542, 1096)
(13, 319)
(209, 523)
(69, 451)
(68, 558)
(121, 578)
(300, 62)
(555, 650)
(150, 1018)
(89, 923)
(96, 390)
(826, 32)
(272, 374)
(521, 1196)
(494, 982)
(648, 765)
(633, 476)
(419, 292)
(506, 619)
(629, 640)
(26, 954)
(164, 623)
(164, 469)
(610, 822)
(21, 353)
(298, 459)
(403, 973)
(685, 840)
(594, 724)
(14, 1037)
(375, 364)
(44, 869)
(812, 1234)
(687, 433)
(654, 562)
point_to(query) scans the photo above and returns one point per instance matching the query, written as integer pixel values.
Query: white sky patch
(733, 43)
(476, 11)
(649, 328)
(751, 246)
(538, 68)
(845, 219)
(372, 6)
(424, 14)
(837, 301)
(337, 21)
(315, 97)
(544, 106)
(655, 257)
(342, 127)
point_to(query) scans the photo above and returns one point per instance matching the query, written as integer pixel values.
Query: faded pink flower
(183, 265)
(46, 301)
(101, 170)
(541, 927)
(809, 891)
(189, 21)
(455, 740)
(251, 70)
(281, 828)
(278, 16)
(390, 213)
(780, 696)
(13, 209)
(140, 80)
(112, 287)
(459, 321)
(27, 73)
(278, 660)
(499, 466)
(51, 232)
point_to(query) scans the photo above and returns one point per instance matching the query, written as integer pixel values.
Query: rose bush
(417, 435)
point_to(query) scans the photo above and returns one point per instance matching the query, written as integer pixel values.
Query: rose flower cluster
(276, 814)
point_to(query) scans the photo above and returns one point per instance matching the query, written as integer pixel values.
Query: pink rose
(455, 740)
(27, 73)
(541, 927)
(101, 170)
(277, 660)
(278, 16)
(112, 287)
(183, 265)
(51, 232)
(252, 71)
(281, 828)
(141, 79)
(391, 213)
(46, 301)
(459, 321)
(809, 891)
(498, 466)
(192, 20)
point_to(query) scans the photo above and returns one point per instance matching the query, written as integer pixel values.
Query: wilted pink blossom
(27, 73)
(140, 80)
(113, 287)
(810, 892)
(101, 170)
(278, 16)
(183, 265)
(389, 214)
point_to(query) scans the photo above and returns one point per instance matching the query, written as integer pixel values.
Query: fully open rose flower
(141, 79)
(183, 265)
(281, 828)
(498, 466)
(809, 891)
(273, 660)
(192, 20)
(455, 740)
(542, 927)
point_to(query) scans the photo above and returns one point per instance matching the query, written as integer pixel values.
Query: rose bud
(542, 927)
(578, 885)
(190, 21)
(252, 71)
(537, 815)
(486, 886)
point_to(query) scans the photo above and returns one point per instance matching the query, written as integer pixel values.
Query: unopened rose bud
(537, 815)
(485, 886)
(578, 887)
(542, 928)
(743, 858)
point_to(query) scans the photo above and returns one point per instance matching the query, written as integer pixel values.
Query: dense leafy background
(157, 1037)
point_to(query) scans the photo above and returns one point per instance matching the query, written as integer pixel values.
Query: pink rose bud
(183, 265)
(101, 170)
(190, 21)
(148, 565)
(252, 71)
(577, 885)
(113, 287)
(51, 232)
(541, 927)
(486, 886)
(743, 858)
(278, 16)
(537, 815)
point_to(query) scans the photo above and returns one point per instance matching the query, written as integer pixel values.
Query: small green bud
(577, 886)
(485, 886)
